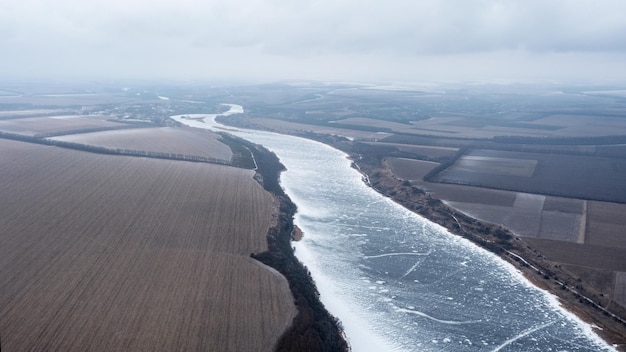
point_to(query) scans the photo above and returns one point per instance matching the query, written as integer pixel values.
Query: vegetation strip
(313, 329)
(111, 151)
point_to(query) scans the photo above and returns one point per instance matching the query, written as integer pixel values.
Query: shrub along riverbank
(313, 328)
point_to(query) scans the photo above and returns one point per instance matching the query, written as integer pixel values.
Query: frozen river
(398, 282)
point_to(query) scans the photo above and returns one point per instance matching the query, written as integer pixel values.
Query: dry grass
(409, 169)
(583, 255)
(432, 152)
(600, 280)
(186, 141)
(473, 194)
(113, 253)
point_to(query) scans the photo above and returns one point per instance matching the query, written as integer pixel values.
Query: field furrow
(114, 253)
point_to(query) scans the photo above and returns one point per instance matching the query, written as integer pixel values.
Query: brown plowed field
(409, 169)
(115, 253)
(288, 127)
(32, 126)
(186, 141)
(606, 224)
(578, 254)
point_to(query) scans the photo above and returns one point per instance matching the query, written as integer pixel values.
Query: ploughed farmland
(117, 253)
(187, 141)
(576, 176)
(45, 125)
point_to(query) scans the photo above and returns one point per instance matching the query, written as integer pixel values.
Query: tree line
(313, 328)
(111, 151)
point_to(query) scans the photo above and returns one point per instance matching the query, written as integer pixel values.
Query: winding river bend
(398, 282)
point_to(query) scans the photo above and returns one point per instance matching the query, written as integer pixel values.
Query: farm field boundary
(118, 253)
(583, 177)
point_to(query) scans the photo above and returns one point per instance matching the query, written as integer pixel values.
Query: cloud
(284, 38)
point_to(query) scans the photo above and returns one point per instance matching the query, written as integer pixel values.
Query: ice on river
(398, 282)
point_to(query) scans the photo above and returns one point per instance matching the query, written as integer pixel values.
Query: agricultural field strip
(464, 128)
(598, 178)
(369, 122)
(563, 224)
(185, 141)
(600, 257)
(61, 101)
(41, 125)
(606, 224)
(522, 222)
(563, 126)
(414, 169)
(409, 169)
(86, 265)
(295, 127)
(18, 114)
(558, 218)
(495, 165)
(222, 153)
(418, 146)
(584, 125)
(432, 152)
(619, 294)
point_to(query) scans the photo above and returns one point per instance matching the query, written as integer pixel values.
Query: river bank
(494, 238)
(575, 295)
(313, 328)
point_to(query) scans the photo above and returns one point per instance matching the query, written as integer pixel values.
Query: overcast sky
(356, 40)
